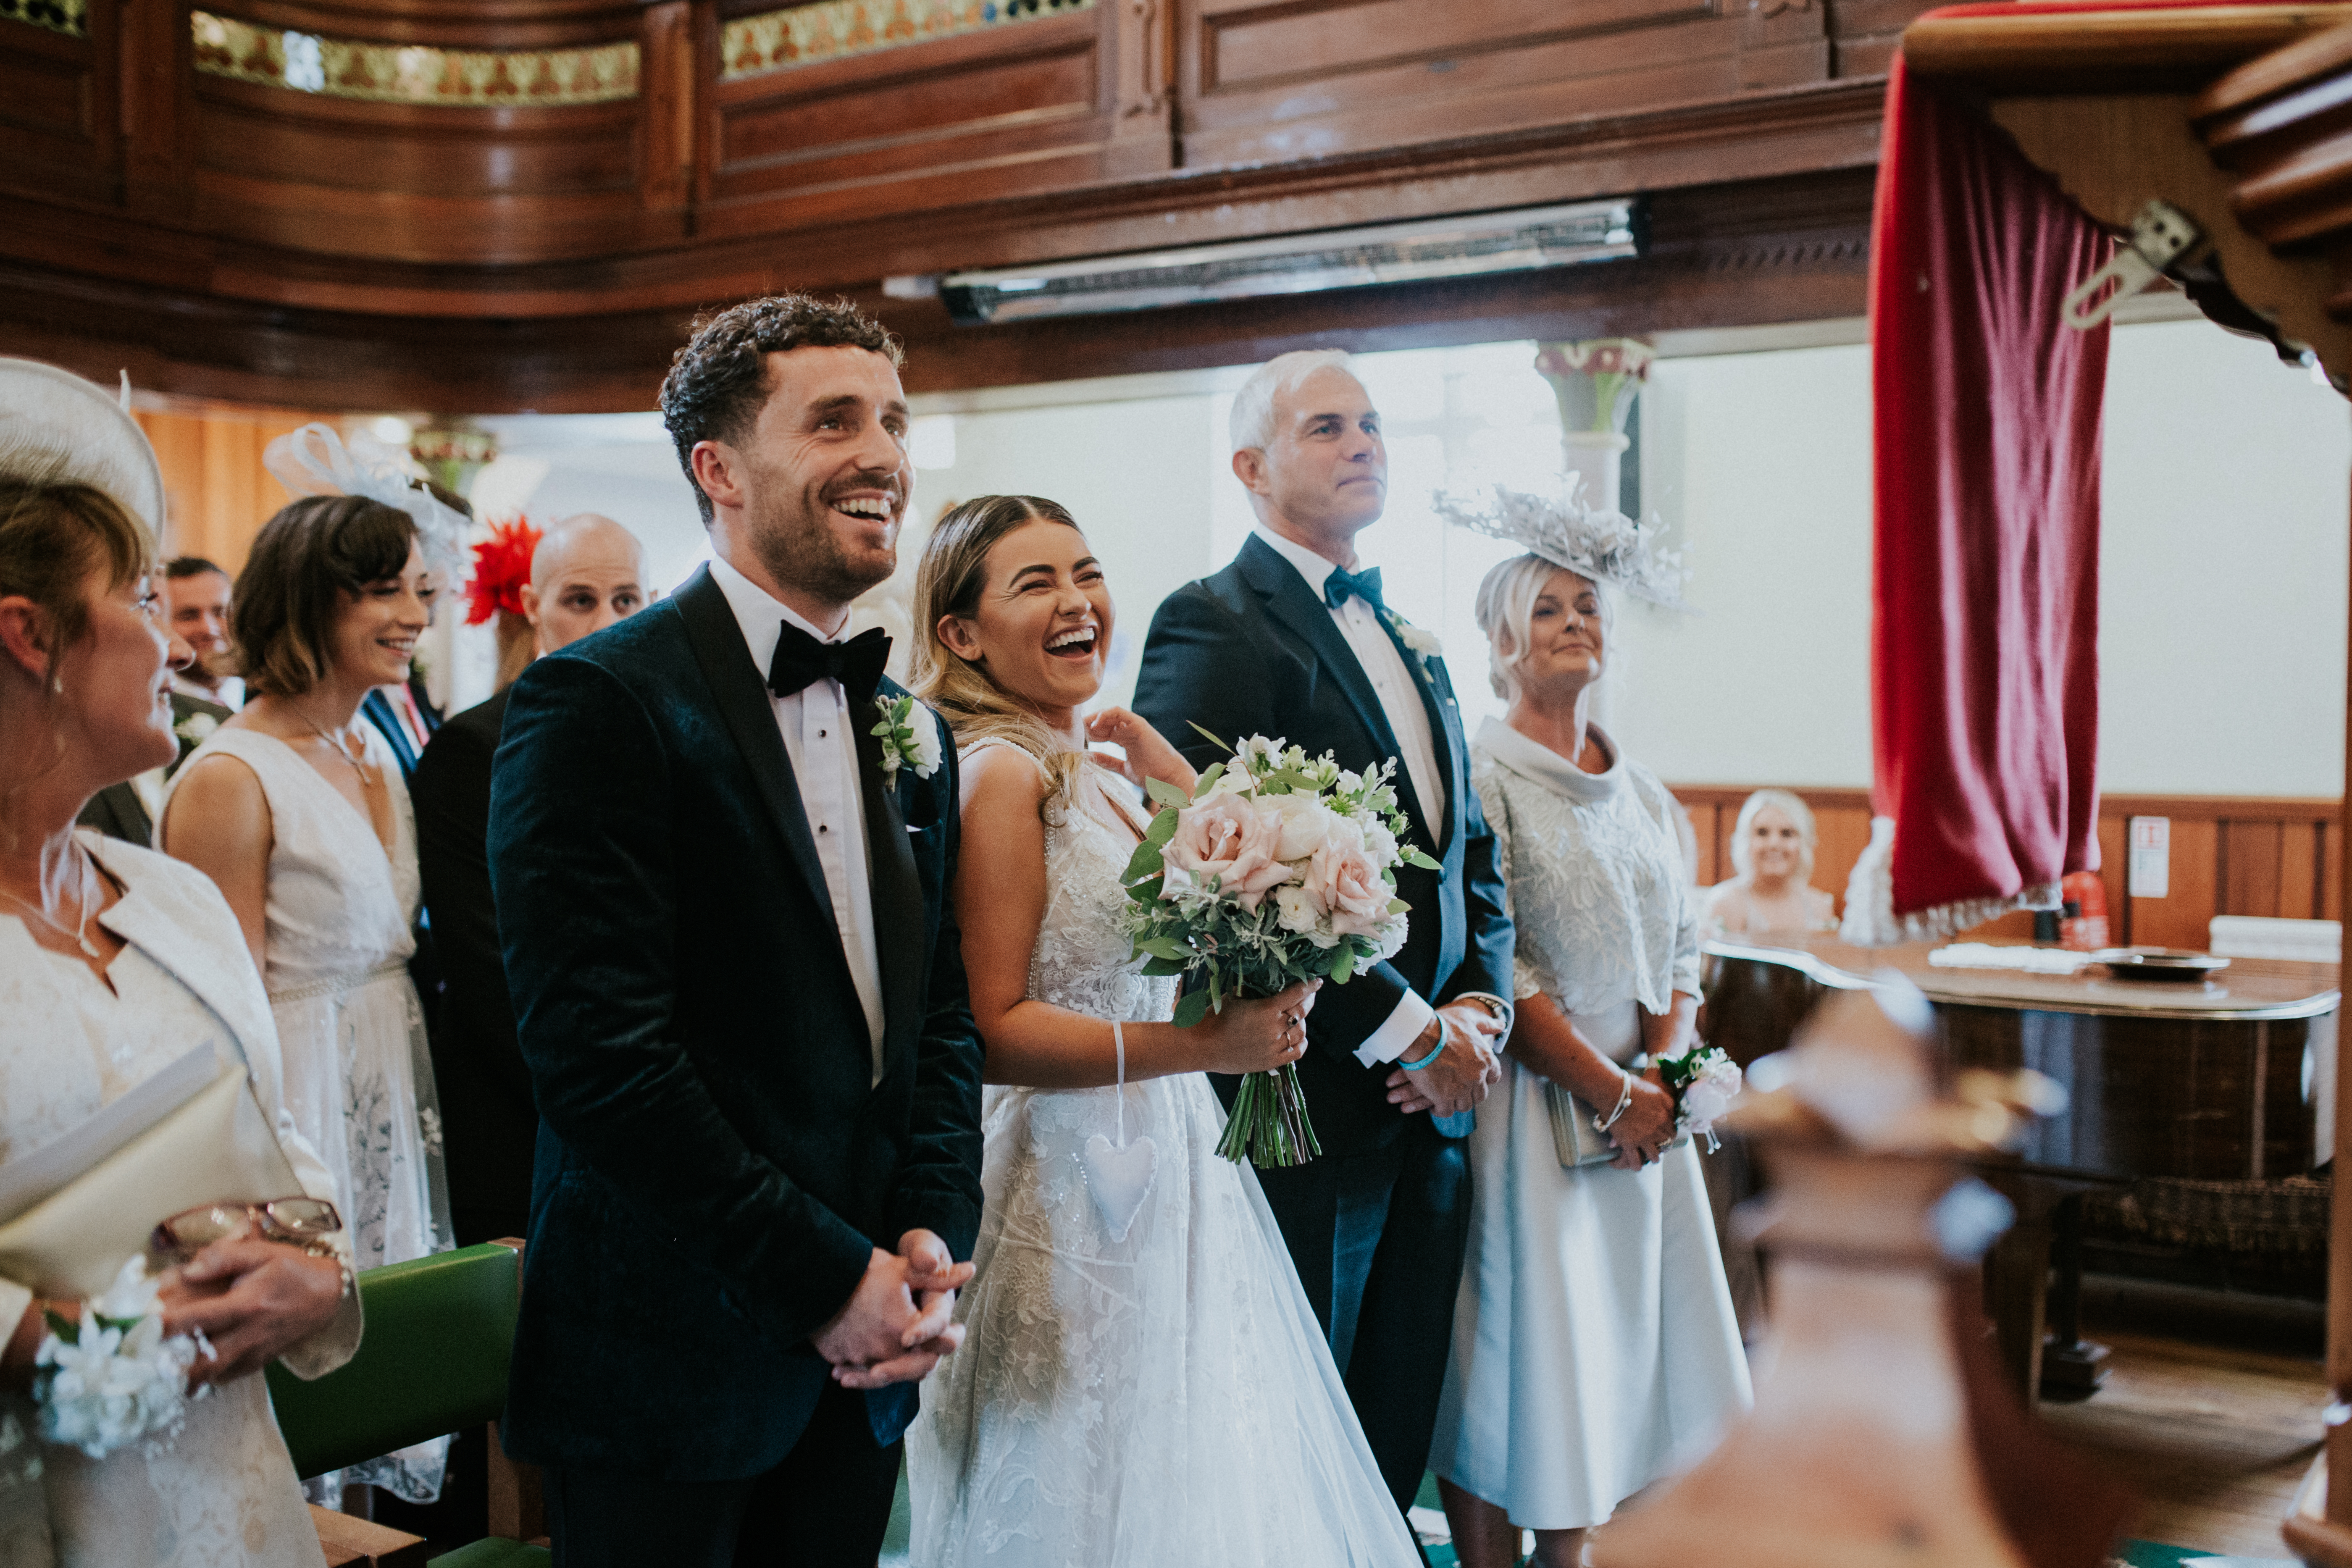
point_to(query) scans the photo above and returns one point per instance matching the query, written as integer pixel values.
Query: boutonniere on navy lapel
(1424, 645)
(906, 742)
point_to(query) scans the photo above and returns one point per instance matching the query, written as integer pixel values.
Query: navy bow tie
(801, 660)
(1364, 585)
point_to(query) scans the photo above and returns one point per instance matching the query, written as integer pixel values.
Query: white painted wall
(2222, 586)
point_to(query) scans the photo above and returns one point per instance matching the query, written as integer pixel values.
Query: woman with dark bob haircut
(295, 807)
(114, 962)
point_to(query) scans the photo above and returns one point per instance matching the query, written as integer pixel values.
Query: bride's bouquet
(1278, 868)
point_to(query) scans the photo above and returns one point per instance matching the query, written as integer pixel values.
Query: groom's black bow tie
(857, 664)
(1364, 585)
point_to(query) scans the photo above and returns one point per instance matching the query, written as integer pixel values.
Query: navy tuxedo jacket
(1251, 651)
(714, 1165)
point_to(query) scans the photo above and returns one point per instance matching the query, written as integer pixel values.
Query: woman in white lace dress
(1594, 1342)
(1142, 1382)
(114, 962)
(296, 809)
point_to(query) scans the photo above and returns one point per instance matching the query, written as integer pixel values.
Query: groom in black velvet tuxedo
(738, 988)
(1290, 642)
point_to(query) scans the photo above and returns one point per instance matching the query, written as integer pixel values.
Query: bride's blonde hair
(947, 582)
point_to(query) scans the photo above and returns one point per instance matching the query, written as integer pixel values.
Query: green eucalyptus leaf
(1166, 794)
(1191, 1008)
(1210, 739)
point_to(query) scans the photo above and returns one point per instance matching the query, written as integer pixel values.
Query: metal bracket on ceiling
(2161, 234)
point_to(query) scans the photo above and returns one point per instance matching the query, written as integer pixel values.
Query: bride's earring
(1119, 1175)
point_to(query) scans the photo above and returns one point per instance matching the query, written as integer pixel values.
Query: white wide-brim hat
(56, 426)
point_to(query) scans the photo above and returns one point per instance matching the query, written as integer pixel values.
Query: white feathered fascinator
(1606, 546)
(56, 428)
(313, 461)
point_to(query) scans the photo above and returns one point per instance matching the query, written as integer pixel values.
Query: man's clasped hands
(897, 1324)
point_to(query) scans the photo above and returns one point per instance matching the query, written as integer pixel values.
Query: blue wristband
(1433, 1055)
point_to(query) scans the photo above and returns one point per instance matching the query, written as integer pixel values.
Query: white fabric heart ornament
(1120, 1173)
(1120, 1178)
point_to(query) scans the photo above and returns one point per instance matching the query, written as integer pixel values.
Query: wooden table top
(2250, 988)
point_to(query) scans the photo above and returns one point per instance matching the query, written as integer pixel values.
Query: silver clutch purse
(193, 1134)
(1572, 1132)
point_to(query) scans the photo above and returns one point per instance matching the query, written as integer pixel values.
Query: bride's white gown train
(1164, 1399)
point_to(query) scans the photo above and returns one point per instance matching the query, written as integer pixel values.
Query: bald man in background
(587, 573)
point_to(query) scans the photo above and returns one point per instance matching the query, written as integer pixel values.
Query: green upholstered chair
(433, 1360)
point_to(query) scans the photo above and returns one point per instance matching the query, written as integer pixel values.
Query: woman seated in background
(114, 962)
(1594, 1340)
(296, 809)
(1772, 851)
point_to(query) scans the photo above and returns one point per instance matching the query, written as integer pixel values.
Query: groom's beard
(795, 539)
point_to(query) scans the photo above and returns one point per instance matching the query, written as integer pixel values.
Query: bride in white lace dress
(1142, 1382)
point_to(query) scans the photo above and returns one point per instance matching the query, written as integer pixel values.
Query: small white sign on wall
(2151, 857)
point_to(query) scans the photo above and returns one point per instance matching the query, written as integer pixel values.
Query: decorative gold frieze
(829, 30)
(413, 73)
(68, 17)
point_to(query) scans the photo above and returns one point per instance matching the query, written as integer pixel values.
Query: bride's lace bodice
(1082, 960)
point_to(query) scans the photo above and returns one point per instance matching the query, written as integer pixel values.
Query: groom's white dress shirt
(1393, 684)
(822, 747)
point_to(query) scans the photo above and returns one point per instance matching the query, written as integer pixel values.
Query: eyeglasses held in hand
(297, 1221)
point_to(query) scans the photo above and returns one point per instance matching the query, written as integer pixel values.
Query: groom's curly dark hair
(719, 381)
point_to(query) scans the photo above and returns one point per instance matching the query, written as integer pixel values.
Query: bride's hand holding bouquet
(1273, 871)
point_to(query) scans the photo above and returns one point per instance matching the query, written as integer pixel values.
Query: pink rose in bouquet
(1347, 887)
(1228, 838)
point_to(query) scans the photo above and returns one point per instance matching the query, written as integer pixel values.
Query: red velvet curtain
(1986, 420)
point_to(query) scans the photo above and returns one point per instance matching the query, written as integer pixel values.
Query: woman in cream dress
(295, 808)
(1594, 1340)
(114, 962)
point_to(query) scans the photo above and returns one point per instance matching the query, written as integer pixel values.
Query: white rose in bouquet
(1301, 823)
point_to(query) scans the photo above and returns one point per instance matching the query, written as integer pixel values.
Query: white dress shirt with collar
(230, 693)
(820, 741)
(1401, 703)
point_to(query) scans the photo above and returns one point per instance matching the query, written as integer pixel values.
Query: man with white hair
(1292, 641)
(587, 573)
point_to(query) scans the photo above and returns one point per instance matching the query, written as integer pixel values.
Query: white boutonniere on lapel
(195, 728)
(907, 741)
(1424, 645)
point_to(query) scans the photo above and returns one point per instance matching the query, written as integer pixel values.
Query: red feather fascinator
(501, 567)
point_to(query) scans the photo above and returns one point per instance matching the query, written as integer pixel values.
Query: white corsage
(907, 741)
(197, 728)
(1703, 1081)
(1424, 645)
(112, 1378)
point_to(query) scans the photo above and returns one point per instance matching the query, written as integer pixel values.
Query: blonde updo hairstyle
(1506, 607)
(948, 581)
(55, 537)
(1744, 862)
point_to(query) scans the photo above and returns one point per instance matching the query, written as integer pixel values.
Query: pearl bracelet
(1623, 1099)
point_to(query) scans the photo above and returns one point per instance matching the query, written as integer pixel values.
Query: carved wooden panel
(56, 109)
(1004, 112)
(1276, 79)
(384, 180)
